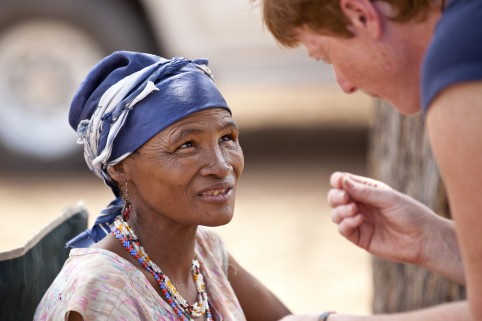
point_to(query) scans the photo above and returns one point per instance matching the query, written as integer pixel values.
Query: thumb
(365, 190)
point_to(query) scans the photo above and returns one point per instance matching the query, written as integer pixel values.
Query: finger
(342, 212)
(336, 179)
(349, 227)
(336, 197)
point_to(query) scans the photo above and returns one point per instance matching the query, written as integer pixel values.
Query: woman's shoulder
(90, 280)
(95, 261)
(99, 284)
(94, 254)
(89, 269)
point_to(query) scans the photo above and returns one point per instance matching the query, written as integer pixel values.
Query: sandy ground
(281, 232)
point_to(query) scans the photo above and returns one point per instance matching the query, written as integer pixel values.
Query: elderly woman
(161, 136)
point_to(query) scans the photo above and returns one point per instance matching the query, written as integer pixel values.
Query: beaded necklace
(185, 311)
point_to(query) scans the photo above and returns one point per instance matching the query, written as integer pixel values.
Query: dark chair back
(27, 272)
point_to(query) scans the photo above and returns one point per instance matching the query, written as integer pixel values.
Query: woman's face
(188, 172)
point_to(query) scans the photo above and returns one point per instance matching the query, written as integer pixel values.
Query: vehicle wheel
(46, 49)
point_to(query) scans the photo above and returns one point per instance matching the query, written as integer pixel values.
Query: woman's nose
(344, 83)
(217, 164)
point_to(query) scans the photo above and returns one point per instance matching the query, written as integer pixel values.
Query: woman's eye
(226, 138)
(186, 145)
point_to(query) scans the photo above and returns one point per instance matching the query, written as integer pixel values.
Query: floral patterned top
(100, 285)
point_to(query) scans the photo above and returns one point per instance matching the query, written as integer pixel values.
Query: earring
(127, 206)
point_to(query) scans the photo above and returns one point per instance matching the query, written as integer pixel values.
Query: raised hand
(384, 221)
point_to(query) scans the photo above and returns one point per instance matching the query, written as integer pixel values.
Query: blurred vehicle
(48, 46)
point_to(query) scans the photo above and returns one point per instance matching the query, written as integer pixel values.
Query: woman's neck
(169, 245)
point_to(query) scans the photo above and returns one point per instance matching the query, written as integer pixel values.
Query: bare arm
(454, 124)
(257, 301)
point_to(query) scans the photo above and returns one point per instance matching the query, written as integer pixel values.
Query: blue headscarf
(126, 99)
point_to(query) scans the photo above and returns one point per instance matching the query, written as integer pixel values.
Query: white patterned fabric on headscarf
(90, 130)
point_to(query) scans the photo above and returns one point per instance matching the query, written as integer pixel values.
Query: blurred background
(296, 128)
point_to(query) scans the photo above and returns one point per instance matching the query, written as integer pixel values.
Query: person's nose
(344, 83)
(216, 163)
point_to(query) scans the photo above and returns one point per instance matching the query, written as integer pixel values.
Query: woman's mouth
(215, 192)
(217, 195)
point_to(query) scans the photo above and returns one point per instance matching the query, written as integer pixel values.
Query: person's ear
(363, 16)
(117, 172)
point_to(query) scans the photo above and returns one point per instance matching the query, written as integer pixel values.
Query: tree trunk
(400, 156)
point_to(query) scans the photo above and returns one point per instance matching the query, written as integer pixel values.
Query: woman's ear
(117, 172)
(364, 17)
